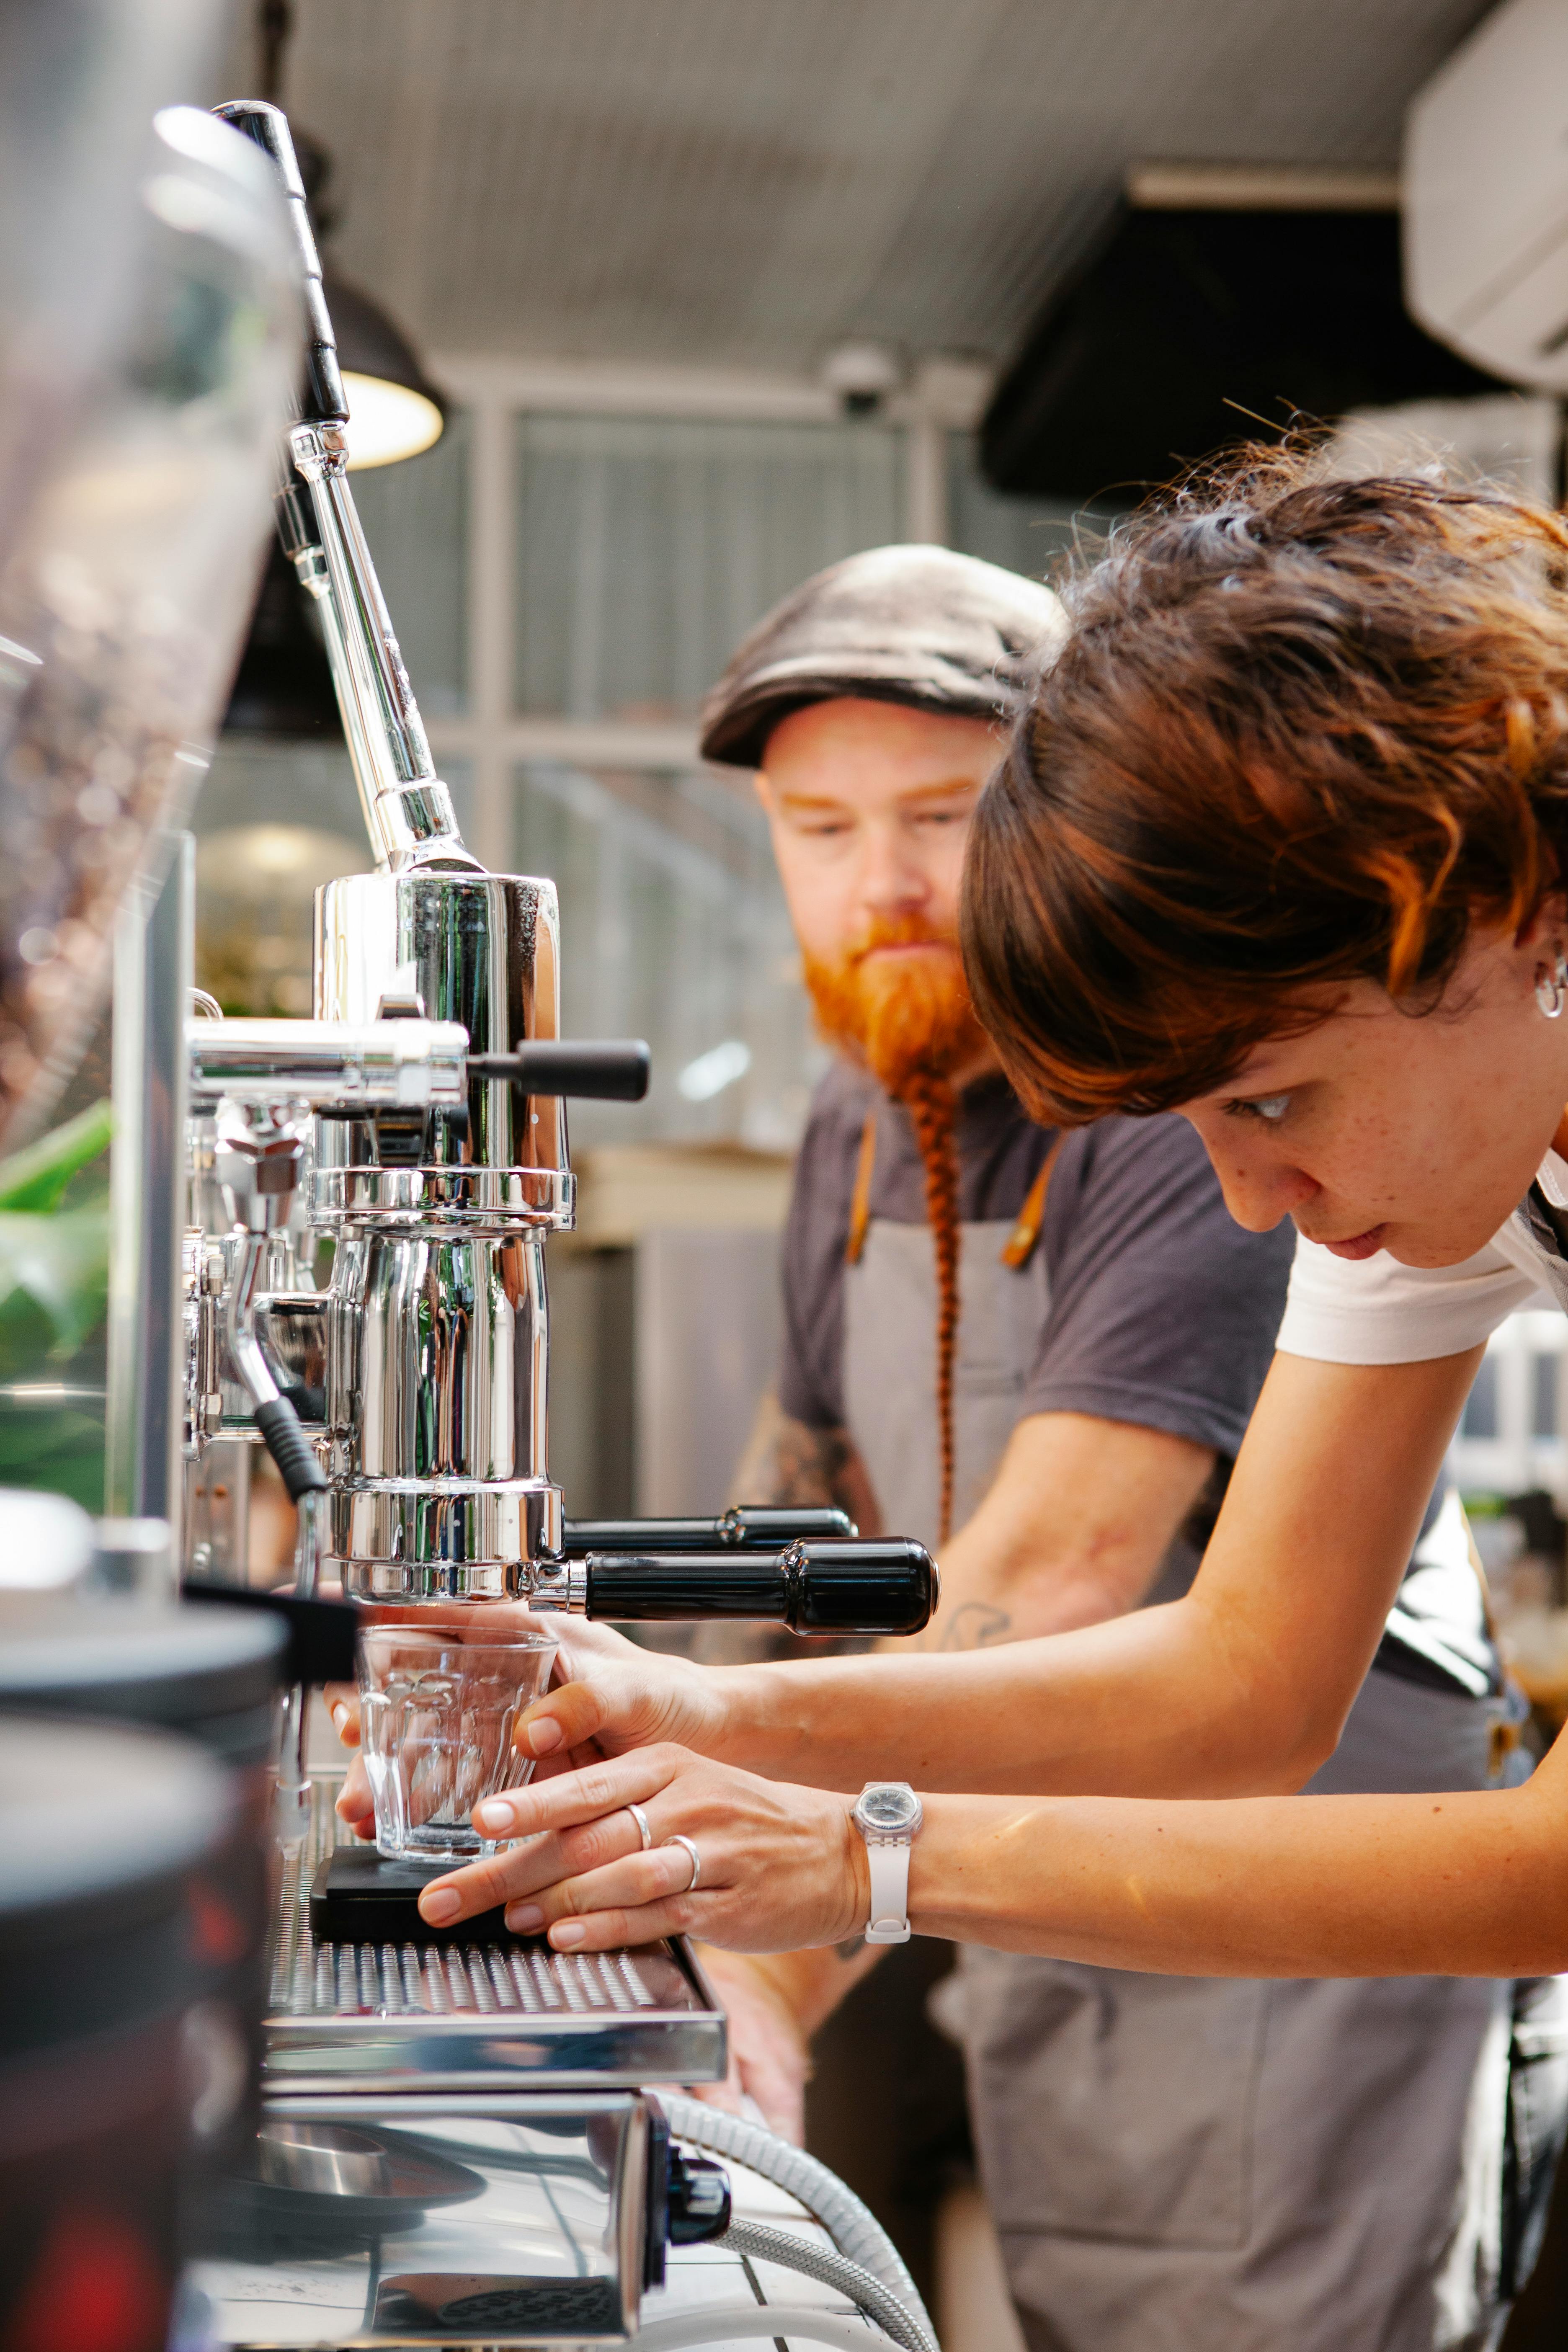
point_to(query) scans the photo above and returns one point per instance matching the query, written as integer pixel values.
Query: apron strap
(861, 1201)
(1019, 1245)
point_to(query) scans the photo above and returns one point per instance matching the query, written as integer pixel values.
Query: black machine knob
(889, 1586)
(611, 1069)
(688, 2196)
(749, 1527)
(698, 2199)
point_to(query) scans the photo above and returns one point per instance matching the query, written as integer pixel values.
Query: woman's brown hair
(1304, 731)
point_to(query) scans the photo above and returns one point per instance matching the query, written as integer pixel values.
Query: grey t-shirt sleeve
(1162, 1311)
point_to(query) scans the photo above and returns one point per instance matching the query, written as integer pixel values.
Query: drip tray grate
(432, 2017)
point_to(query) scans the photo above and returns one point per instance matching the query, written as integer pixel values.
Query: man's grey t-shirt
(1161, 1311)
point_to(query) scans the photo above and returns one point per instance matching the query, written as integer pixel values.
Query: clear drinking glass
(436, 1718)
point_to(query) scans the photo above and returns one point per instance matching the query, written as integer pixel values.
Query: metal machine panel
(501, 2017)
(521, 2222)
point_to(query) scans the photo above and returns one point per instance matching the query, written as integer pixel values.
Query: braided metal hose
(857, 2234)
(877, 2301)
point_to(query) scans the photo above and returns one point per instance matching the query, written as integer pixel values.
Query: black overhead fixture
(1210, 293)
(283, 687)
(394, 410)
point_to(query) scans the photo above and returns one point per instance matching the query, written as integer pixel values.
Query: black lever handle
(612, 1069)
(891, 1586)
(750, 1526)
(324, 402)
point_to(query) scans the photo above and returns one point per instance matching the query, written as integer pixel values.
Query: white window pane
(673, 928)
(415, 519)
(647, 547)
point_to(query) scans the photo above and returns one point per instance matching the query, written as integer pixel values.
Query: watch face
(888, 1807)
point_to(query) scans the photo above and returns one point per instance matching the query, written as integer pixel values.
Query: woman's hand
(780, 1867)
(583, 1647)
(608, 1697)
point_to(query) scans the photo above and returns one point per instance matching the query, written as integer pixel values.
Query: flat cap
(920, 625)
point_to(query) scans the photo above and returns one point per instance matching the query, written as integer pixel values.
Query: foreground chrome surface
(383, 1065)
(453, 2149)
(427, 1356)
(524, 2223)
(507, 2016)
(327, 2159)
(480, 949)
(437, 1349)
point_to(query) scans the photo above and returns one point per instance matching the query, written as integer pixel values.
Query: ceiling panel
(744, 182)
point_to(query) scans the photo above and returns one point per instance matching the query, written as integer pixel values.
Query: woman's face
(1378, 1130)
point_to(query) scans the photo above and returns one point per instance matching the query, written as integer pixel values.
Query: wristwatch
(888, 1814)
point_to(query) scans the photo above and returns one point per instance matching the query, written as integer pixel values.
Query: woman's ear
(1547, 930)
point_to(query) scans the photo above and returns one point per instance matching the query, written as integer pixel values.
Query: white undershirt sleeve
(1377, 1311)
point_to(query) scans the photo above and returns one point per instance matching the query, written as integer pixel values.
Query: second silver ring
(696, 1861)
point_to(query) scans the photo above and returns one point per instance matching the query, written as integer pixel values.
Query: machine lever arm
(324, 402)
(889, 1586)
(750, 1527)
(611, 1069)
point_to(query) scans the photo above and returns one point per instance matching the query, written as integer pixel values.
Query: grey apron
(1191, 2165)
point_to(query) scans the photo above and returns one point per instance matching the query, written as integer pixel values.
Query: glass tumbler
(436, 1718)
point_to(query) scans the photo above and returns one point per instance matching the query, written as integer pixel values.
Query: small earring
(1551, 986)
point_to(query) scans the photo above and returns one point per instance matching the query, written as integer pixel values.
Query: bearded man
(1039, 1354)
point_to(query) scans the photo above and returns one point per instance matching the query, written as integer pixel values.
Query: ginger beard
(905, 1018)
(910, 1021)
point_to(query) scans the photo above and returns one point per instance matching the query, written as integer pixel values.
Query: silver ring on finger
(640, 1818)
(696, 1861)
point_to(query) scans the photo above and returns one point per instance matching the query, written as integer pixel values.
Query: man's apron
(1182, 2164)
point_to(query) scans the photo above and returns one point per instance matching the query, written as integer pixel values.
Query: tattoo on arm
(786, 1463)
(975, 1627)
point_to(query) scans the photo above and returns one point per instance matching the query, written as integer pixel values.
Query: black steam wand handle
(750, 1527)
(610, 1069)
(889, 1586)
(323, 401)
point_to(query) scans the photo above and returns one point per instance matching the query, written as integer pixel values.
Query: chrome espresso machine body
(458, 2146)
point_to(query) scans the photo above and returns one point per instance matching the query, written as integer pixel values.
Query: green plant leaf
(35, 1179)
(54, 1272)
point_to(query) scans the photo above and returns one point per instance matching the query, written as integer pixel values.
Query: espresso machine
(458, 2144)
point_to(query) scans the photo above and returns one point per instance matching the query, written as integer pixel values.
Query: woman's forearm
(1145, 1703)
(1473, 1884)
(1242, 1687)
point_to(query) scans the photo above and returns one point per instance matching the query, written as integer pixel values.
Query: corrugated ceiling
(744, 182)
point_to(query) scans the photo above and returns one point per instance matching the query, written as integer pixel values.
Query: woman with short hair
(1281, 843)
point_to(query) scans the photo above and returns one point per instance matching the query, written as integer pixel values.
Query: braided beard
(912, 1024)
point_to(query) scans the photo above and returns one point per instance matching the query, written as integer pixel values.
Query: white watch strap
(889, 1864)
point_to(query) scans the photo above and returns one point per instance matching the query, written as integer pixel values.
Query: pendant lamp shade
(394, 410)
(283, 687)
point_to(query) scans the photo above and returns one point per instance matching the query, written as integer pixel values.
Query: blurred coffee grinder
(147, 341)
